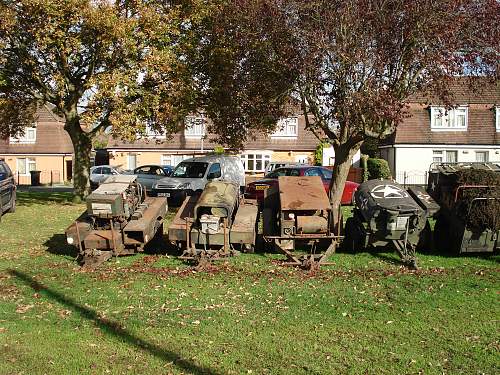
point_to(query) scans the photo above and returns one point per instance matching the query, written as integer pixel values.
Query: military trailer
(120, 220)
(469, 195)
(385, 213)
(218, 223)
(298, 210)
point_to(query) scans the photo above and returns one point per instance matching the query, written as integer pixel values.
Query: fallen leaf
(21, 309)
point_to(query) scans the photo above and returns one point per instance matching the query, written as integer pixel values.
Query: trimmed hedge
(378, 168)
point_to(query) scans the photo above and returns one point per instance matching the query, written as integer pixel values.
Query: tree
(354, 63)
(93, 60)
(76, 55)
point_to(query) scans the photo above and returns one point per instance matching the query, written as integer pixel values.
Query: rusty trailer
(216, 224)
(120, 220)
(298, 210)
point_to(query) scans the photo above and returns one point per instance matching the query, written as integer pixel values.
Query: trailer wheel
(352, 241)
(425, 239)
(158, 231)
(442, 236)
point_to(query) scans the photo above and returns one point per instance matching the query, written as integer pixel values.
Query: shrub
(318, 154)
(378, 168)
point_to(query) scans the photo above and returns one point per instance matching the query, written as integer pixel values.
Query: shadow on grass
(57, 245)
(30, 198)
(159, 245)
(112, 328)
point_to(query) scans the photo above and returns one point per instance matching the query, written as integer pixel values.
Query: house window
(451, 156)
(25, 165)
(255, 162)
(287, 127)
(152, 133)
(440, 156)
(194, 127)
(173, 160)
(482, 156)
(28, 137)
(452, 119)
(437, 156)
(303, 159)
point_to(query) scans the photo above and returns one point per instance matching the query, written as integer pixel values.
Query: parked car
(280, 164)
(148, 175)
(191, 175)
(7, 189)
(100, 172)
(255, 189)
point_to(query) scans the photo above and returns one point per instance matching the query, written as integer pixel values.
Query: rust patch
(302, 193)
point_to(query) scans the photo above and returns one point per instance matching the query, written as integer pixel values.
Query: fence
(412, 178)
(46, 178)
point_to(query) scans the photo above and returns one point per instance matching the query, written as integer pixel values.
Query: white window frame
(448, 119)
(196, 130)
(25, 138)
(437, 154)
(287, 127)
(483, 152)
(443, 154)
(265, 158)
(171, 157)
(27, 161)
(166, 159)
(151, 133)
(497, 118)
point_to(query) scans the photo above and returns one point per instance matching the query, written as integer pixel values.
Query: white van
(191, 175)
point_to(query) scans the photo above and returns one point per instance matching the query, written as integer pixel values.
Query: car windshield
(190, 170)
(327, 173)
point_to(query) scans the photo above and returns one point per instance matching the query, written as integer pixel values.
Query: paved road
(45, 189)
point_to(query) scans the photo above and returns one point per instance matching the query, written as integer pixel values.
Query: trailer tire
(425, 239)
(352, 241)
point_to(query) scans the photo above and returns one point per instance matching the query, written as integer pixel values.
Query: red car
(255, 190)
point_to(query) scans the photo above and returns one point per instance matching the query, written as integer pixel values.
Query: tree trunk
(343, 161)
(82, 144)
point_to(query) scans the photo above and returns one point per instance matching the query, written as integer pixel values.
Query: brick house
(470, 132)
(45, 147)
(291, 142)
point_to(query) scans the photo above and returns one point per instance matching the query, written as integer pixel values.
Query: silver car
(100, 172)
(148, 175)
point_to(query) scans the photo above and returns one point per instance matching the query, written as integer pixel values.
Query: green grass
(152, 314)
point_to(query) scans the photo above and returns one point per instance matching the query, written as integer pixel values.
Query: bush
(318, 154)
(378, 168)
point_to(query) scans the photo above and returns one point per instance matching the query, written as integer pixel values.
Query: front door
(69, 170)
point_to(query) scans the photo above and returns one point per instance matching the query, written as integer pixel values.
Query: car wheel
(12, 207)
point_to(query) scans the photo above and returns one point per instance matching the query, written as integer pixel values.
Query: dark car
(7, 189)
(255, 190)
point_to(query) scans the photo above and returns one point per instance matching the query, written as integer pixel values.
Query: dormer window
(29, 137)
(454, 119)
(195, 127)
(287, 127)
(152, 133)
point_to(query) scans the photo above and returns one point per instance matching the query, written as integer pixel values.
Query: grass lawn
(152, 314)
